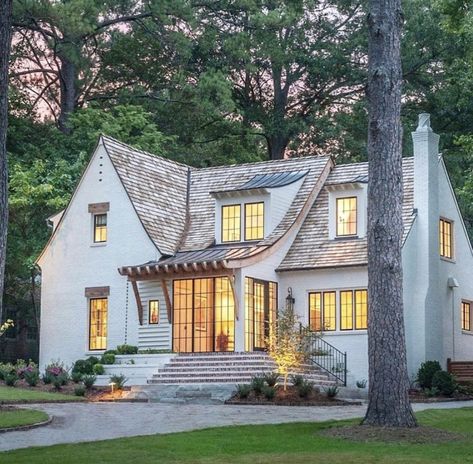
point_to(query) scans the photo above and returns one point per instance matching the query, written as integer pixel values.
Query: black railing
(327, 357)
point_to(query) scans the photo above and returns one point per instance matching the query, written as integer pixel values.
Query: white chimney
(426, 202)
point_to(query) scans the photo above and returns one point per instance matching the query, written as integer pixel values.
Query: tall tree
(5, 44)
(388, 378)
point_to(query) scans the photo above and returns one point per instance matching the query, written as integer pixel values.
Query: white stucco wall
(72, 262)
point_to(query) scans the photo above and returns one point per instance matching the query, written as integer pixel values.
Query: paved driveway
(100, 421)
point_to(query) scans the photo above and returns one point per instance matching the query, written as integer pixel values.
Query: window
(254, 221)
(466, 316)
(100, 228)
(346, 216)
(446, 238)
(322, 311)
(353, 310)
(231, 223)
(153, 312)
(98, 323)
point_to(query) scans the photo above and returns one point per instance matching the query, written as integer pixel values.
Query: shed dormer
(250, 212)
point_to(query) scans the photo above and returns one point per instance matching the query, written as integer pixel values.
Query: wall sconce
(290, 300)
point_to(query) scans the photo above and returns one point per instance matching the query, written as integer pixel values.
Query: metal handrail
(327, 357)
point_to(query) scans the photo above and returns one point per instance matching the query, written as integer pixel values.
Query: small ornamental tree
(286, 343)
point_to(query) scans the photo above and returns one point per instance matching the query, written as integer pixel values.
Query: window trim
(221, 222)
(89, 303)
(463, 327)
(337, 199)
(322, 294)
(94, 228)
(452, 241)
(245, 219)
(149, 312)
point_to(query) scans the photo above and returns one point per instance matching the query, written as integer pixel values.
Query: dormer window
(231, 223)
(254, 221)
(346, 216)
(100, 228)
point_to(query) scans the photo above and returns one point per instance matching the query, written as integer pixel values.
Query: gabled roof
(312, 248)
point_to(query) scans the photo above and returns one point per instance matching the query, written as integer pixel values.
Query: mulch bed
(290, 397)
(418, 396)
(416, 435)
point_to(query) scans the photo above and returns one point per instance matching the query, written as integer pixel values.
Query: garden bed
(290, 397)
(419, 396)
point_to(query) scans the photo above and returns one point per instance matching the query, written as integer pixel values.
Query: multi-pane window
(98, 323)
(446, 238)
(153, 312)
(254, 221)
(346, 216)
(353, 306)
(322, 311)
(466, 315)
(100, 228)
(231, 223)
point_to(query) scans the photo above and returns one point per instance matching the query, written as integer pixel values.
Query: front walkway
(100, 421)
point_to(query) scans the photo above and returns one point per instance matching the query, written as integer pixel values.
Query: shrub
(119, 381)
(110, 352)
(76, 377)
(89, 380)
(108, 358)
(127, 349)
(83, 366)
(445, 382)
(361, 383)
(431, 392)
(243, 390)
(426, 373)
(57, 370)
(47, 378)
(99, 369)
(22, 367)
(271, 378)
(297, 380)
(79, 390)
(57, 381)
(5, 369)
(11, 378)
(331, 392)
(268, 392)
(93, 360)
(31, 377)
(305, 388)
(257, 384)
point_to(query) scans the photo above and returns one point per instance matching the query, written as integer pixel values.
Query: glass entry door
(261, 311)
(203, 315)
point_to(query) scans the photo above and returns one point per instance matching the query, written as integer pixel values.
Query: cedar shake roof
(312, 249)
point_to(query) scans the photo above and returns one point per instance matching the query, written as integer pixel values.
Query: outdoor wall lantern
(290, 300)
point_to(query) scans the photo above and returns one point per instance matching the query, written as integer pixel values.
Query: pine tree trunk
(5, 44)
(68, 92)
(388, 379)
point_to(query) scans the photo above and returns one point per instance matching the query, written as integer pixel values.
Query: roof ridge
(143, 152)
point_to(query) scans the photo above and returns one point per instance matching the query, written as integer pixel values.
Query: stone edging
(272, 403)
(27, 427)
(20, 402)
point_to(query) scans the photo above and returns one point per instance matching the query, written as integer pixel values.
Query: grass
(276, 444)
(16, 417)
(21, 395)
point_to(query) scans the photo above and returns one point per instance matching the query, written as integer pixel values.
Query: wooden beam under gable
(139, 304)
(167, 299)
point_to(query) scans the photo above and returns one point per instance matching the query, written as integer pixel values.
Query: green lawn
(17, 417)
(272, 444)
(21, 395)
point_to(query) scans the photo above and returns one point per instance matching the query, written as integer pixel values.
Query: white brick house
(160, 255)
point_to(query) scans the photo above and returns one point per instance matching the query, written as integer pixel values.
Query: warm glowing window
(153, 312)
(254, 221)
(98, 323)
(361, 309)
(346, 216)
(100, 228)
(446, 238)
(322, 311)
(466, 316)
(346, 310)
(231, 223)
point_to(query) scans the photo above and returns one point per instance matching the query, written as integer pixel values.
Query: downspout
(452, 285)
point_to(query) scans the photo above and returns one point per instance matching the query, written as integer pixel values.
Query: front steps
(207, 378)
(462, 370)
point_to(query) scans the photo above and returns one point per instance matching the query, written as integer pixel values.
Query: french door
(260, 312)
(203, 315)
